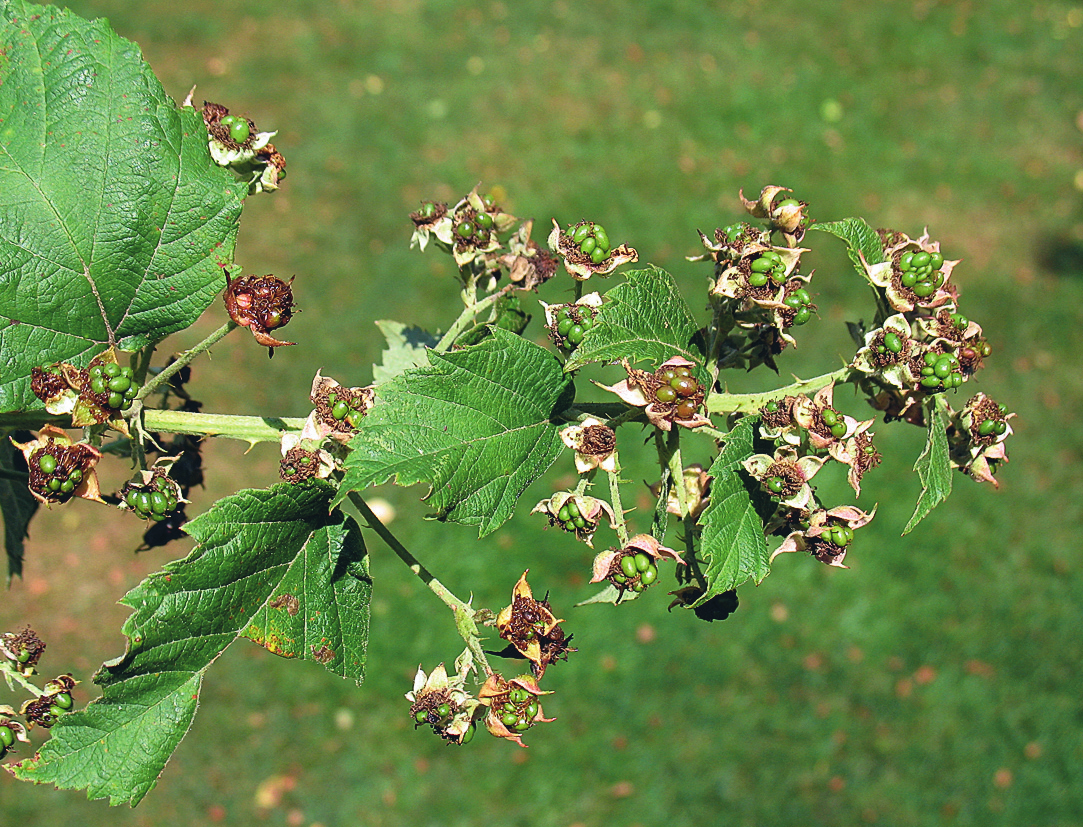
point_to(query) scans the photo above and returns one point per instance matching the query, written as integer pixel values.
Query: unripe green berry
(642, 561)
(63, 700)
(23, 656)
(665, 394)
(464, 229)
(758, 279)
(98, 385)
(484, 220)
(116, 400)
(775, 484)
(649, 575)
(575, 334)
(563, 514)
(509, 719)
(47, 463)
(892, 342)
(7, 737)
(802, 316)
(987, 427)
(67, 486)
(239, 130)
(602, 237)
(628, 567)
(762, 264)
(838, 430)
(829, 416)
(580, 233)
(421, 715)
(598, 255)
(531, 711)
(111, 369)
(685, 409)
(1001, 428)
(443, 710)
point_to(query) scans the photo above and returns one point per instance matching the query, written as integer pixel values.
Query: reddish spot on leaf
(323, 654)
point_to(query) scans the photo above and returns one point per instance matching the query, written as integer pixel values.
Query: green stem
(466, 318)
(727, 403)
(251, 429)
(464, 614)
(182, 361)
(676, 469)
(614, 499)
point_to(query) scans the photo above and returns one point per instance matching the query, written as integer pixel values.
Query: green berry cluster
(154, 500)
(474, 228)
(637, 572)
(890, 342)
(592, 239)
(958, 321)
(920, 272)
(428, 209)
(62, 702)
(768, 266)
(55, 480)
(518, 710)
(678, 386)
(435, 715)
(572, 323)
(344, 409)
(994, 427)
(834, 422)
(570, 518)
(239, 128)
(940, 372)
(839, 534)
(800, 302)
(734, 232)
(110, 379)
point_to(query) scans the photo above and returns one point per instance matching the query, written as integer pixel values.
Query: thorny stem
(464, 615)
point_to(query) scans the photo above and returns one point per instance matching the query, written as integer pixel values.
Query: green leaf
(859, 238)
(610, 594)
(475, 424)
(645, 318)
(17, 504)
(934, 464)
(114, 221)
(272, 565)
(733, 546)
(405, 349)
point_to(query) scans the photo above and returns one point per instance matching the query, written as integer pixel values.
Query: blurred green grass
(934, 682)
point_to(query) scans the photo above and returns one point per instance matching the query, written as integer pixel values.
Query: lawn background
(935, 682)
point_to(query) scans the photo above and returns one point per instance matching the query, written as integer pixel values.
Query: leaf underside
(406, 348)
(733, 547)
(934, 464)
(114, 221)
(475, 424)
(859, 237)
(271, 565)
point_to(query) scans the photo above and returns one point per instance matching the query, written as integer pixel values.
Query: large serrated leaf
(17, 504)
(475, 424)
(733, 546)
(114, 221)
(645, 318)
(859, 238)
(934, 464)
(272, 565)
